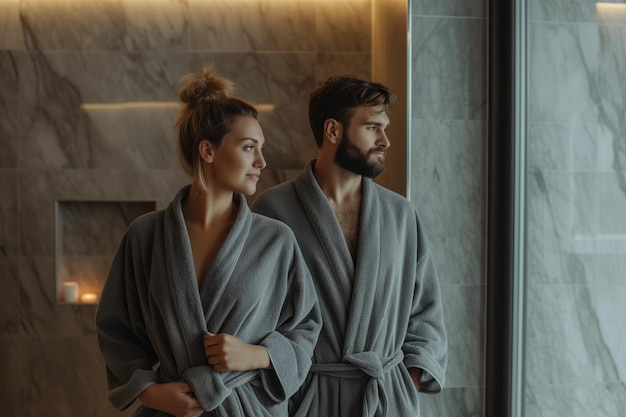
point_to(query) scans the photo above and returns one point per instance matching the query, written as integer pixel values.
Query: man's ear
(332, 131)
(207, 151)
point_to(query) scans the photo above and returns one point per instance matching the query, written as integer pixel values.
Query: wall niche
(87, 234)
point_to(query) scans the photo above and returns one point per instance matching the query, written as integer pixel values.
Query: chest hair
(348, 216)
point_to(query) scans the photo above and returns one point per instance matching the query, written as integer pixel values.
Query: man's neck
(343, 189)
(339, 185)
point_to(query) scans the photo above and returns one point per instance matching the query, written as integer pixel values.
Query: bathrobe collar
(354, 282)
(191, 313)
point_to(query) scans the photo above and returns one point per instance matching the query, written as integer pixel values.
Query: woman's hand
(229, 353)
(175, 398)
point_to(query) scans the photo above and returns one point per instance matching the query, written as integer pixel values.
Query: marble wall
(448, 138)
(576, 204)
(87, 104)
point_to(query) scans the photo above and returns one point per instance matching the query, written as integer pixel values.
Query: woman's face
(238, 161)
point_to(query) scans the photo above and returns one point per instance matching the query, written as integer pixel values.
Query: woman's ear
(332, 130)
(206, 150)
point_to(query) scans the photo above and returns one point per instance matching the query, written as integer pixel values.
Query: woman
(208, 309)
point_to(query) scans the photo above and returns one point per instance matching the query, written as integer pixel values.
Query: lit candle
(70, 292)
(89, 297)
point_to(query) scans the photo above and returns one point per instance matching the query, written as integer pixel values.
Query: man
(383, 338)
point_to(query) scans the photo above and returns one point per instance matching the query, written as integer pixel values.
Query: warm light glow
(263, 108)
(617, 6)
(130, 105)
(89, 297)
(611, 12)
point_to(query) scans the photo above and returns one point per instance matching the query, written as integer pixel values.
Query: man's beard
(350, 158)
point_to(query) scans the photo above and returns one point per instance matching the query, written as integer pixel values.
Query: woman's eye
(248, 147)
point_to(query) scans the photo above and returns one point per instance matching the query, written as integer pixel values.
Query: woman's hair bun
(205, 88)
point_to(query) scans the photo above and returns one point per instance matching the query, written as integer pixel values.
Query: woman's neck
(205, 209)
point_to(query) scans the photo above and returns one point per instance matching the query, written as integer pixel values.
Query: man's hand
(416, 374)
(175, 398)
(229, 353)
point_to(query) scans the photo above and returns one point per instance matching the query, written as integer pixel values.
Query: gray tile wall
(447, 142)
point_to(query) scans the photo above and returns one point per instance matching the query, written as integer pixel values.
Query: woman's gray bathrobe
(381, 316)
(152, 315)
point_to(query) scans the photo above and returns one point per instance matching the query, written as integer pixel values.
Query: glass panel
(572, 153)
(447, 120)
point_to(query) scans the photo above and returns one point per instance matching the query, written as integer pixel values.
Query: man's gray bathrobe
(381, 316)
(152, 316)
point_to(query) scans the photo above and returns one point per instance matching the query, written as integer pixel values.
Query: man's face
(364, 143)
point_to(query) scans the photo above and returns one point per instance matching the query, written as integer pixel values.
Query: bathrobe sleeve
(425, 344)
(291, 345)
(122, 335)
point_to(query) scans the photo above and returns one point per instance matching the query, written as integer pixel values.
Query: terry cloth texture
(381, 316)
(152, 315)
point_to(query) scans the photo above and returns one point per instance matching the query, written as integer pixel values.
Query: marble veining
(10, 303)
(447, 189)
(112, 25)
(10, 26)
(575, 236)
(332, 64)
(449, 60)
(464, 315)
(599, 400)
(610, 95)
(344, 25)
(459, 8)
(95, 227)
(251, 25)
(9, 125)
(557, 146)
(464, 402)
(562, 10)
(570, 333)
(50, 134)
(73, 24)
(562, 69)
(9, 210)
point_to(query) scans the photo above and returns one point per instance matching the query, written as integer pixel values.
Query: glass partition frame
(519, 290)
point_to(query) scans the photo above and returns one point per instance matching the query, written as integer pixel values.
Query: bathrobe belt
(356, 365)
(219, 385)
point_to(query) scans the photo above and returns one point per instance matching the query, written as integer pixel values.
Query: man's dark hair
(339, 96)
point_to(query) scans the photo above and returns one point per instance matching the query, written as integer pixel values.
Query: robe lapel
(221, 269)
(367, 272)
(185, 298)
(193, 307)
(327, 229)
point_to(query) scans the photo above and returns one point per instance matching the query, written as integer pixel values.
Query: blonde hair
(209, 112)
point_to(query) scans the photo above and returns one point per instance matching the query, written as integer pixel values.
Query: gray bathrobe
(381, 316)
(152, 315)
